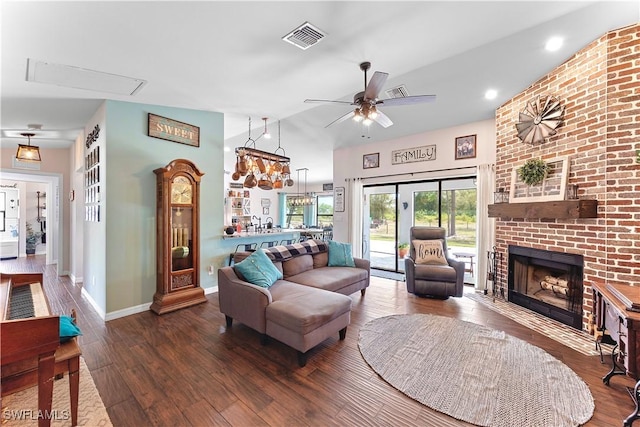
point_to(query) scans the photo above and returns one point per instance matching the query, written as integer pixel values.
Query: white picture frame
(553, 188)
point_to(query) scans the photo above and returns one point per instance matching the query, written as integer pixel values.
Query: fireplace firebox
(547, 282)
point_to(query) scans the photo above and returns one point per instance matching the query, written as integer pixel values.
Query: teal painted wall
(129, 206)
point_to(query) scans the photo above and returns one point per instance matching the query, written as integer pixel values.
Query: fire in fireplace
(549, 283)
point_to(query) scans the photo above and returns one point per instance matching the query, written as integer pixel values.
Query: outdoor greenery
(458, 215)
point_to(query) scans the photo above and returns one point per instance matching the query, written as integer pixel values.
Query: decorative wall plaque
(173, 130)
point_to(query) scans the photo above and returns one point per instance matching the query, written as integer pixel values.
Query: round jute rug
(474, 373)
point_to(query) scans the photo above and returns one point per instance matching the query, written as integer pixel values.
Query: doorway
(392, 209)
(54, 238)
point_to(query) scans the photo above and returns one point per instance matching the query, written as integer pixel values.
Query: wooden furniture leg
(74, 388)
(46, 366)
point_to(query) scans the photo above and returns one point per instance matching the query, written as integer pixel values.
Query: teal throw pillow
(258, 269)
(340, 255)
(68, 329)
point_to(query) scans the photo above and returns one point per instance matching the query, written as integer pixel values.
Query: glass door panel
(382, 226)
(459, 219)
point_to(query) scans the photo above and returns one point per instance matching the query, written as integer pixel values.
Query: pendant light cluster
(260, 168)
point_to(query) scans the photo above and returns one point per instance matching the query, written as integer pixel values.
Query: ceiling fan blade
(341, 119)
(383, 120)
(316, 101)
(375, 85)
(407, 100)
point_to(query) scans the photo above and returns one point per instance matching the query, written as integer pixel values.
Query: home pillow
(429, 252)
(340, 255)
(258, 269)
(68, 329)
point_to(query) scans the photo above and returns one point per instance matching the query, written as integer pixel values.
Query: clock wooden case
(178, 237)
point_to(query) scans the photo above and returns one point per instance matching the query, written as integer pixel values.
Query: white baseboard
(93, 303)
(144, 307)
(128, 311)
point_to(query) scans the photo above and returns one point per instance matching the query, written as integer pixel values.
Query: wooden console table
(617, 309)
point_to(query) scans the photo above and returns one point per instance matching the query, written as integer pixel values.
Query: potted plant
(533, 172)
(403, 248)
(31, 239)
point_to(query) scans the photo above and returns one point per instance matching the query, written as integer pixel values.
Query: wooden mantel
(562, 209)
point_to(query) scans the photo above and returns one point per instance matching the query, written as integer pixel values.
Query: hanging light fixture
(266, 133)
(262, 168)
(28, 153)
(301, 199)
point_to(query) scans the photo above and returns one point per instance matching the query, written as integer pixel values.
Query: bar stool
(269, 244)
(246, 247)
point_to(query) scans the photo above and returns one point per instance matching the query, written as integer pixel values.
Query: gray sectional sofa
(305, 307)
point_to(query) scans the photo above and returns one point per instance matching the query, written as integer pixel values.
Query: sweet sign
(173, 130)
(416, 154)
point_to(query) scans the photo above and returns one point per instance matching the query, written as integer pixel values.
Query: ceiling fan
(367, 101)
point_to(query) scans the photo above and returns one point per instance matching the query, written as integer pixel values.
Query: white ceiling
(228, 57)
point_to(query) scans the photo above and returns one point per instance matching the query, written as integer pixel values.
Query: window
(324, 217)
(295, 216)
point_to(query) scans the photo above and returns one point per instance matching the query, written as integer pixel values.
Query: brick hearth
(600, 88)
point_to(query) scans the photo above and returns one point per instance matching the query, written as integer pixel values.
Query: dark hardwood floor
(186, 369)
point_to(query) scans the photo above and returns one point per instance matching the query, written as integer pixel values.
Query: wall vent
(305, 36)
(397, 92)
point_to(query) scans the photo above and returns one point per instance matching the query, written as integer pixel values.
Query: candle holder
(572, 192)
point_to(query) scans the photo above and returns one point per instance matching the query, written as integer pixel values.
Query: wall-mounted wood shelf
(562, 209)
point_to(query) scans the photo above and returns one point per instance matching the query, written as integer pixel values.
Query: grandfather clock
(178, 237)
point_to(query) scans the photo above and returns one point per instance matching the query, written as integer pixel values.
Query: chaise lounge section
(308, 305)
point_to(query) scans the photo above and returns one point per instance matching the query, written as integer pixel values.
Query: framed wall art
(338, 199)
(371, 161)
(552, 188)
(466, 147)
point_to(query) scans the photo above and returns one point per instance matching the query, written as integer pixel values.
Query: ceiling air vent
(305, 36)
(397, 92)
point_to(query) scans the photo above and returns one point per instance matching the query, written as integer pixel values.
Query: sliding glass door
(391, 210)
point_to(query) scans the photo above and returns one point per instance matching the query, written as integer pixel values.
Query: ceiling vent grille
(397, 92)
(305, 36)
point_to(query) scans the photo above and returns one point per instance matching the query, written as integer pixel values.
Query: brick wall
(600, 89)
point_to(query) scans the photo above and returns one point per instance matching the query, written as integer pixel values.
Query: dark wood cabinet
(178, 237)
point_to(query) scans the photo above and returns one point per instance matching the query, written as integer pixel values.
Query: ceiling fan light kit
(28, 153)
(366, 102)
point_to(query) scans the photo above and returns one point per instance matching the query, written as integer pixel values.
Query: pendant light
(28, 153)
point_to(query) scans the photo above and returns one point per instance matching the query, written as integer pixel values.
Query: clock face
(181, 191)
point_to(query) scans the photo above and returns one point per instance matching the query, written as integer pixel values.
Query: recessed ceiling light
(491, 94)
(227, 149)
(553, 44)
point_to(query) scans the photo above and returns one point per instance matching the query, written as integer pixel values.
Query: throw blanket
(284, 252)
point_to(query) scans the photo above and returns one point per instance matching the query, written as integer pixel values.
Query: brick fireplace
(600, 89)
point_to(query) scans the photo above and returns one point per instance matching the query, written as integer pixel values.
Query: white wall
(76, 210)
(347, 162)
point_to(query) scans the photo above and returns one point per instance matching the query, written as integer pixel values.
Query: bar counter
(263, 236)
